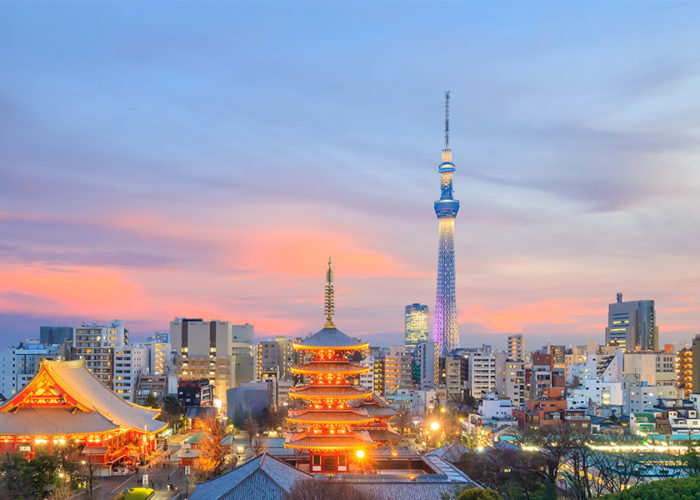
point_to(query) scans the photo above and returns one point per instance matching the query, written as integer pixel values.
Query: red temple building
(335, 425)
(65, 404)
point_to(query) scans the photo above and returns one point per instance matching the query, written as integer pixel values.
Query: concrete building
(696, 364)
(427, 361)
(484, 372)
(49, 335)
(684, 371)
(20, 364)
(416, 327)
(632, 325)
(129, 362)
(516, 348)
(514, 385)
(249, 397)
(275, 355)
(96, 345)
(455, 379)
(398, 370)
(643, 397)
(158, 386)
(204, 350)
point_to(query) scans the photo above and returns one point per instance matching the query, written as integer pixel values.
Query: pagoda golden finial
(330, 297)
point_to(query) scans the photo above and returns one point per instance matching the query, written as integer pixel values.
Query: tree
(14, 469)
(677, 488)
(479, 494)
(319, 489)
(172, 409)
(555, 445)
(212, 454)
(257, 445)
(151, 401)
(402, 420)
(691, 459)
(250, 426)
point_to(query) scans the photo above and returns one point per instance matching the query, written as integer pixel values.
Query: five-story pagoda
(326, 425)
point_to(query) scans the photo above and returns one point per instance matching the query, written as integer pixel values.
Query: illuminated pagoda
(65, 404)
(328, 426)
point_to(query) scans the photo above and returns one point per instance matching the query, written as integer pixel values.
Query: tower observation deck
(445, 322)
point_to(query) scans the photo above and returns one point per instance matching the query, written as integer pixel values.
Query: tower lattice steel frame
(445, 322)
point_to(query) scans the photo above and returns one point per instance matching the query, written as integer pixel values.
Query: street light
(360, 454)
(434, 426)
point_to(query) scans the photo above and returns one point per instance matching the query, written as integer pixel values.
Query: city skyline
(154, 166)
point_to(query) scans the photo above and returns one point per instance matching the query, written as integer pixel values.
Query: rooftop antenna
(447, 119)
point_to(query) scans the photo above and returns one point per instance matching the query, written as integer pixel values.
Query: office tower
(445, 322)
(416, 325)
(428, 363)
(49, 335)
(204, 351)
(632, 325)
(516, 347)
(96, 344)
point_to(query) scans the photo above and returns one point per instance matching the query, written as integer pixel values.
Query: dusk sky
(205, 159)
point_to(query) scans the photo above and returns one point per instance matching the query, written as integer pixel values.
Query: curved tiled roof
(75, 379)
(330, 337)
(52, 421)
(325, 391)
(329, 367)
(330, 416)
(304, 440)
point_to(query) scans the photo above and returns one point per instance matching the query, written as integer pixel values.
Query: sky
(163, 159)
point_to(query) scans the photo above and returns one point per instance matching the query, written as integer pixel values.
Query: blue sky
(177, 159)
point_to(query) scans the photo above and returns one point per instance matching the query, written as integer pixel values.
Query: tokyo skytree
(445, 323)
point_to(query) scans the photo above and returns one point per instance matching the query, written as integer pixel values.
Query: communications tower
(445, 323)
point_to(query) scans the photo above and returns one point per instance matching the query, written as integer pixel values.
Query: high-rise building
(96, 344)
(484, 372)
(129, 362)
(696, 364)
(204, 350)
(49, 335)
(427, 361)
(275, 358)
(516, 347)
(398, 370)
(632, 325)
(416, 325)
(684, 371)
(445, 331)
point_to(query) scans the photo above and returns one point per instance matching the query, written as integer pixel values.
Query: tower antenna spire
(447, 119)
(330, 297)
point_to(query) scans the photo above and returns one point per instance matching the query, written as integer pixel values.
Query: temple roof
(330, 416)
(304, 440)
(330, 337)
(383, 435)
(72, 378)
(52, 421)
(327, 391)
(262, 478)
(375, 406)
(329, 367)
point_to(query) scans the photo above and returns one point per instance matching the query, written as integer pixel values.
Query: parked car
(120, 471)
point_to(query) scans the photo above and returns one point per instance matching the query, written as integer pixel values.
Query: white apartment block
(484, 370)
(19, 365)
(642, 397)
(514, 387)
(367, 379)
(516, 348)
(95, 344)
(129, 362)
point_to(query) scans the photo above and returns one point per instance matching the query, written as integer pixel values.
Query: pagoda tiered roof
(66, 398)
(375, 406)
(328, 416)
(306, 440)
(331, 338)
(330, 367)
(328, 391)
